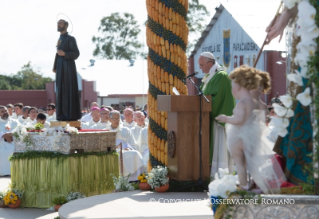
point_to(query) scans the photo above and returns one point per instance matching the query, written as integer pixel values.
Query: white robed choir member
(128, 118)
(104, 123)
(95, 114)
(6, 149)
(133, 163)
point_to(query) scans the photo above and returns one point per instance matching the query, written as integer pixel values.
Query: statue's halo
(62, 16)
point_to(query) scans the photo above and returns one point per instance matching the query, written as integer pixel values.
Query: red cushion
(93, 130)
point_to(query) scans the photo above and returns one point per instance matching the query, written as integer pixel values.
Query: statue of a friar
(67, 91)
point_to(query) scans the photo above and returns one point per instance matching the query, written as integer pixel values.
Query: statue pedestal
(76, 124)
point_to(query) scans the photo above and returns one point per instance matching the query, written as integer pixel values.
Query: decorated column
(167, 35)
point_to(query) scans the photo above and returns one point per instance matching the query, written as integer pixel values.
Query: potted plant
(122, 183)
(158, 179)
(75, 195)
(58, 202)
(2, 204)
(143, 182)
(13, 198)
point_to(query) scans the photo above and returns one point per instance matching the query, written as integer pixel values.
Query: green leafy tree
(196, 16)
(118, 38)
(26, 79)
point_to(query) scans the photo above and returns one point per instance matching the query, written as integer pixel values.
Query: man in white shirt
(18, 110)
(25, 115)
(10, 111)
(32, 113)
(128, 118)
(88, 117)
(95, 114)
(139, 118)
(133, 163)
(104, 123)
(7, 124)
(41, 118)
(51, 112)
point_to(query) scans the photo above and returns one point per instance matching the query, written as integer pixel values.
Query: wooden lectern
(183, 126)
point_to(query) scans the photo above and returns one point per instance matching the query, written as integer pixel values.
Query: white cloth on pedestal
(221, 155)
(101, 125)
(129, 125)
(6, 149)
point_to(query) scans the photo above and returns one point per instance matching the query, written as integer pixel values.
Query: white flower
(310, 33)
(297, 78)
(290, 3)
(279, 110)
(279, 122)
(304, 97)
(306, 14)
(305, 49)
(222, 187)
(221, 173)
(290, 113)
(286, 100)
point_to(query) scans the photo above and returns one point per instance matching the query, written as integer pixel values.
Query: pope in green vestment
(217, 84)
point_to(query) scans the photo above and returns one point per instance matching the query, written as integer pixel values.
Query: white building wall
(242, 47)
(140, 101)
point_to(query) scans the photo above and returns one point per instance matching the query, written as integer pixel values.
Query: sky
(29, 28)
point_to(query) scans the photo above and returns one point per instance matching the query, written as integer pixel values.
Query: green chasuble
(223, 102)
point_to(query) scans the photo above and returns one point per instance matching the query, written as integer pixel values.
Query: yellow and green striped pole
(167, 36)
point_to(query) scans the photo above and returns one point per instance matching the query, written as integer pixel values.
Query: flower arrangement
(142, 178)
(70, 129)
(38, 126)
(121, 183)
(158, 177)
(12, 196)
(75, 195)
(224, 187)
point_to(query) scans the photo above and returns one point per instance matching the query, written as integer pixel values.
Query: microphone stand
(200, 182)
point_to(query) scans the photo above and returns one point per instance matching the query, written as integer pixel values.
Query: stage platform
(139, 204)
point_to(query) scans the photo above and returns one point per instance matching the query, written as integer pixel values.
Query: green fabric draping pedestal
(43, 179)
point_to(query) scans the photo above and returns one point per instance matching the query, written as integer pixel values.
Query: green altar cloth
(42, 178)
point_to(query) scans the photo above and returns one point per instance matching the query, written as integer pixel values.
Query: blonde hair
(265, 81)
(246, 77)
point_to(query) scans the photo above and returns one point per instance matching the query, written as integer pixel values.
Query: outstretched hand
(221, 118)
(279, 24)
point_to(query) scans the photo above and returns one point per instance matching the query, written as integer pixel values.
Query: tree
(119, 37)
(196, 16)
(26, 79)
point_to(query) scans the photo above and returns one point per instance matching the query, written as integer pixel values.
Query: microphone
(191, 75)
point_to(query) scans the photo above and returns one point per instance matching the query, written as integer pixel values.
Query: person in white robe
(104, 123)
(7, 124)
(88, 117)
(128, 118)
(143, 145)
(25, 114)
(10, 111)
(17, 110)
(41, 118)
(95, 113)
(139, 118)
(32, 115)
(51, 115)
(133, 162)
